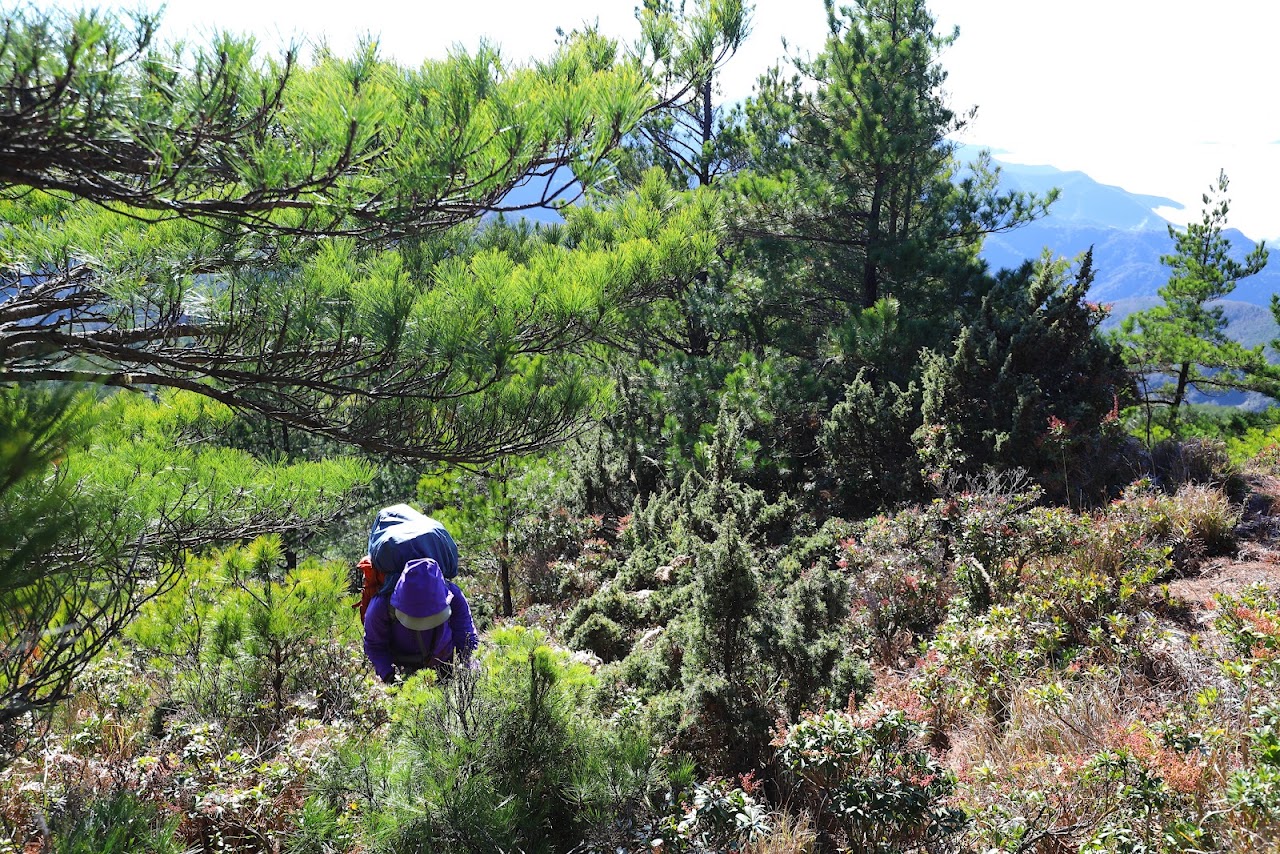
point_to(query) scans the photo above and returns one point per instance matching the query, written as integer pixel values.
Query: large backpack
(401, 534)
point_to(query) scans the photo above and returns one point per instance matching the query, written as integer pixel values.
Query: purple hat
(421, 599)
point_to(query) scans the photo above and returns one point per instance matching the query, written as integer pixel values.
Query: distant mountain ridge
(1128, 237)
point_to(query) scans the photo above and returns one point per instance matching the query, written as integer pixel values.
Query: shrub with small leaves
(900, 579)
(1255, 790)
(1250, 624)
(718, 816)
(1141, 814)
(1079, 600)
(870, 779)
(996, 534)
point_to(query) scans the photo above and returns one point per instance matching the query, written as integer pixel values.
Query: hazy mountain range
(1128, 237)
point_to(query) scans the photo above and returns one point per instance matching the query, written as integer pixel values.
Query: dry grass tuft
(791, 834)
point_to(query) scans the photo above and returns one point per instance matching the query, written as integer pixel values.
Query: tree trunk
(1179, 395)
(697, 338)
(708, 129)
(504, 550)
(504, 580)
(870, 274)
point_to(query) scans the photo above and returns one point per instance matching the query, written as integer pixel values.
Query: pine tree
(683, 51)
(1182, 344)
(101, 502)
(854, 169)
(227, 234)
(93, 107)
(1029, 383)
(397, 338)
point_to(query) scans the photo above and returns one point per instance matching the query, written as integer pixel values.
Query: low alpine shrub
(497, 758)
(117, 823)
(870, 779)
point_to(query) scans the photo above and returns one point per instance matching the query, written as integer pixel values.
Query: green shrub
(653, 665)
(1250, 624)
(1254, 791)
(498, 758)
(601, 635)
(694, 598)
(1010, 392)
(808, 639)
(242, 638)
(1257, 443)
(865, 443)
(119, 823)
(870, 779)
(612, 603)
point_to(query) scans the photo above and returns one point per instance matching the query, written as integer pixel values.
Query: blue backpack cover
(401, 534)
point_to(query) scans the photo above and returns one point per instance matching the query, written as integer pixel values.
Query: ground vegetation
(788, 525)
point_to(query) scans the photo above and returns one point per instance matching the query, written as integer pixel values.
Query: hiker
(413, 619)
(422, 621)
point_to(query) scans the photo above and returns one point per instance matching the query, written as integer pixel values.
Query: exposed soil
(1257, 561)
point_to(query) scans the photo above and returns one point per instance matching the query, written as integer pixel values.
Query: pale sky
(1151, 95)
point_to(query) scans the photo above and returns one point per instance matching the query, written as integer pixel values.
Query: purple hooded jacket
(420, 592)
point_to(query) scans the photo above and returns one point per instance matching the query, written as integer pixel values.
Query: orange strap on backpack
(373, 581)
